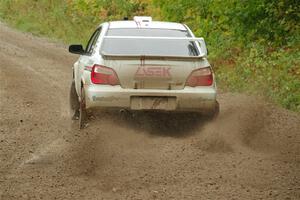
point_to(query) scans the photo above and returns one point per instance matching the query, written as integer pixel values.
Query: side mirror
(76, 49)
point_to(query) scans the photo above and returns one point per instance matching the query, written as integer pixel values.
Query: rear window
(159, 47)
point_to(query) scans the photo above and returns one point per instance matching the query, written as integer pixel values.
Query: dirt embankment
(252, 151)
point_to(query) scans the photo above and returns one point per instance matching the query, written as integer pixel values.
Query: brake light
(104, 75)
(200, 77)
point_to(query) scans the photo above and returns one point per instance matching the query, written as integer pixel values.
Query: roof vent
(142, 19)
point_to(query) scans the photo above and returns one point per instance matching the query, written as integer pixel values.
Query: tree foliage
(254, 44)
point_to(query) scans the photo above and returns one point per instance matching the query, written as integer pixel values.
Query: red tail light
(200, 77)
(104, 75)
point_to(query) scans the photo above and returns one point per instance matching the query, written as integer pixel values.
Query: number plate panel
(153, 103)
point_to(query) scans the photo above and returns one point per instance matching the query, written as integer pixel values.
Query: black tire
(215, 113)
(74, 102)
(217, 109)
(82, 110)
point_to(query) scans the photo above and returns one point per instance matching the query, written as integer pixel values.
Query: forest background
(253, 45)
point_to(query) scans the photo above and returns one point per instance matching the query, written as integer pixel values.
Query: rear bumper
(200, 99)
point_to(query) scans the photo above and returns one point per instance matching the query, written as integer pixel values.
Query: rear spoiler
(200, 44)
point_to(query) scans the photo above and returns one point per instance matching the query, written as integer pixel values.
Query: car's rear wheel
(214, 113)
(217, 109)
(82, 110)
(74, 102)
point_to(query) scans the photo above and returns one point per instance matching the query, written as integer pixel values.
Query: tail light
(104, 75)
(200, 77)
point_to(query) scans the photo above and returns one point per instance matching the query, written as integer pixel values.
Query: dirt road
(252, 151)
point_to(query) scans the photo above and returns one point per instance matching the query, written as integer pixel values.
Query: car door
(86, 59)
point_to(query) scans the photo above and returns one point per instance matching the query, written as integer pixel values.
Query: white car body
(145, 82)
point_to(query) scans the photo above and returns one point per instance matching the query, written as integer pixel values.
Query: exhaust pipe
(126, 113)
(123, 111)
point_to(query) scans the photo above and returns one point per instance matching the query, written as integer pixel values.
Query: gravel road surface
(252, 151)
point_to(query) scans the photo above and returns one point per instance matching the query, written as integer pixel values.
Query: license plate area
(153, 103)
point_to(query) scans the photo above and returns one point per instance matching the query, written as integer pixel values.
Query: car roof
(150, 25)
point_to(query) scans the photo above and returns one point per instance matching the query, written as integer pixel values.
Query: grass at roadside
(251, 66)
(274, 74)
(47, 18)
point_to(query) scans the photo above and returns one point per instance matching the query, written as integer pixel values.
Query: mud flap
(74, 103)
(82, 111)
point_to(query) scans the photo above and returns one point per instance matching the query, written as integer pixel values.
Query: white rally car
(143, 65)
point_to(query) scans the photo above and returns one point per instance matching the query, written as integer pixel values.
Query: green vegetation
(254, 45)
